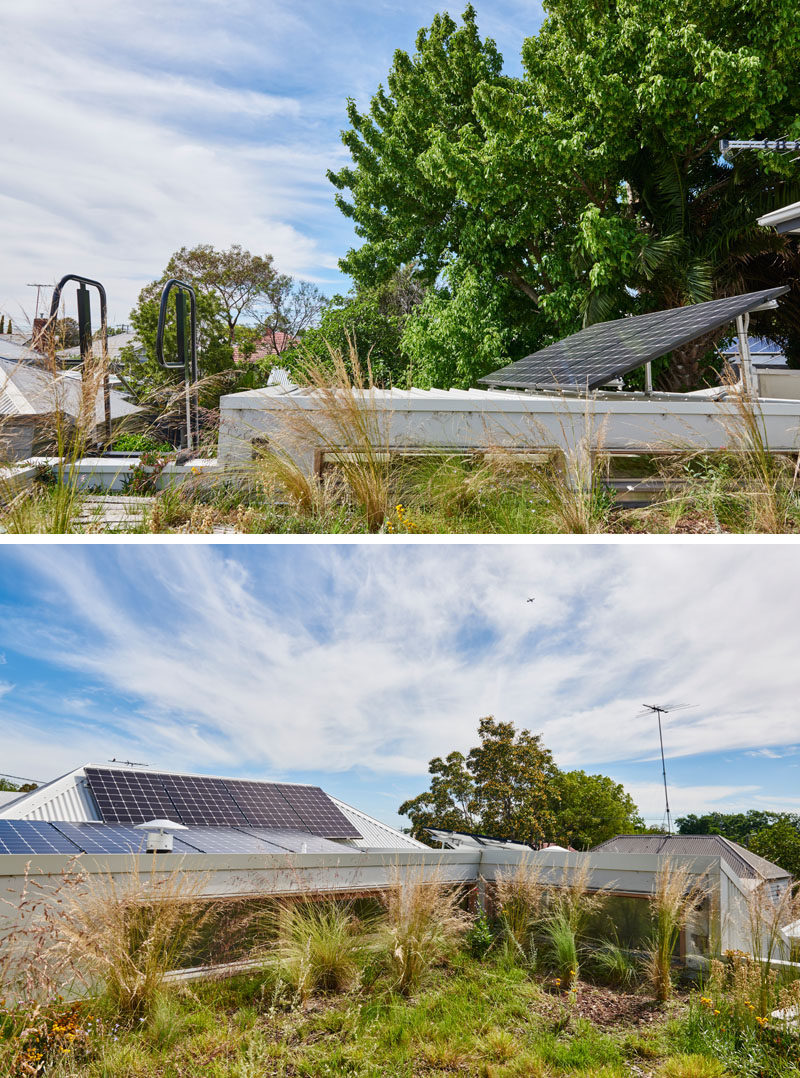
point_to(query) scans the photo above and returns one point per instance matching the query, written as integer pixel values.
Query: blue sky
(133, 127)
(352, 665)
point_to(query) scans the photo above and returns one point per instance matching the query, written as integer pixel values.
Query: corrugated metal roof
(745, 864)
(376, 835)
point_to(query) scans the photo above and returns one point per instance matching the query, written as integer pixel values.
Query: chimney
(39, 335)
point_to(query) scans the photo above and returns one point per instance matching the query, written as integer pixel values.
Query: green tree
(737, 826)
(514, 782)
(780, 843)
(593, 185)
(374, 318)
(449, 804)
(12, 787)
(591, 809)
(506, 786)
(243, 283)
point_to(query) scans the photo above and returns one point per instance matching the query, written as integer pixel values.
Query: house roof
(271, 344)
(69, 799)
(745, 863)
(29, 390)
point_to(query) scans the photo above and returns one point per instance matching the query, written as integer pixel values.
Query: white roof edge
(777, 217)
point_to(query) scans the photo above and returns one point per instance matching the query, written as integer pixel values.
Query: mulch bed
(606, 1007)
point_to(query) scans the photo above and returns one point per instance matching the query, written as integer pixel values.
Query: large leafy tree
(780, 843)
(371, 320)
(593, 185)
(591, 809)
(508, 786)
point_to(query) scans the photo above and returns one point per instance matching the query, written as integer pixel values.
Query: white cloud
(649, 797)
(362, 661)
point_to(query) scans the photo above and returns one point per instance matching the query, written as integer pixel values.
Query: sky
(351, 666)
(132, 128)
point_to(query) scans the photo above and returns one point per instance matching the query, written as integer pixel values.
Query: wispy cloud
(331, 658)
(133, 129)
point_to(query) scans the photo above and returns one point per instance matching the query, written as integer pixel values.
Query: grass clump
(423, 919)
(320, 947)
(125, 933)
(675, 896)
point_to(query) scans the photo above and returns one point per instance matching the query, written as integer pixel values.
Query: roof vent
(158, 838)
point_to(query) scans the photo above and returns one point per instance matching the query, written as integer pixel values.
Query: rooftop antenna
(38, 285)
(128, 763)
(659, 710)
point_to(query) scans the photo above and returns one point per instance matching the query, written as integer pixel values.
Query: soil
(606, 1007)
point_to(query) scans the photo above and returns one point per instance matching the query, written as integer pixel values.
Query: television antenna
(128, 763)
(658, 710)
(38, 286)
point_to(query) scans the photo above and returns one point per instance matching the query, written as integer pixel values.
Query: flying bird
(530, 600)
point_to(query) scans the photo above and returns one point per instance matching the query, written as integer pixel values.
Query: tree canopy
(508, 786)
(590, 187)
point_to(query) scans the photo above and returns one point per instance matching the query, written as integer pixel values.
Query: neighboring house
(748, 867)
(116, 342)
(272, 343)
(31, 399)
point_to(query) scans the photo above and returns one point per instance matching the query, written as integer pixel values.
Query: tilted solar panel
(131, 797)
(201, 800)
(33, 836)
(319, 814)
(263, 804)
(607, 350)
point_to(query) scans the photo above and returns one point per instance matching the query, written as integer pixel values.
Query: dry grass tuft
(346, 422)
(423, 920)
(676, 894)
(125, 932)
(521, 895)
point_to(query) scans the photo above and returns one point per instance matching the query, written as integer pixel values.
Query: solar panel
(607, 350)
(201, 800)
(228, 840)
(263, 804)
(33, 836)
(319, 814)
(299, 841)
(129, 797)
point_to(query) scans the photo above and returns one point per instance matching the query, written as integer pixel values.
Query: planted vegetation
(418, 980)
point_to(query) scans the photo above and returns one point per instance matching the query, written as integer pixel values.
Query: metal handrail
(85, 329)
(187, 358)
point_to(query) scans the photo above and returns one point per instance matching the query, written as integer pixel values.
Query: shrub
(140, 443)
(480, 938)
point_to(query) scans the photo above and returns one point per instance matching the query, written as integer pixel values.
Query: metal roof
(607, 350)
(744, 863)
(454, 840)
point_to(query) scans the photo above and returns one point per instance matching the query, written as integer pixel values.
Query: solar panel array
(130, 797)
(42, 836)
(598, 354)
(33, 836)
